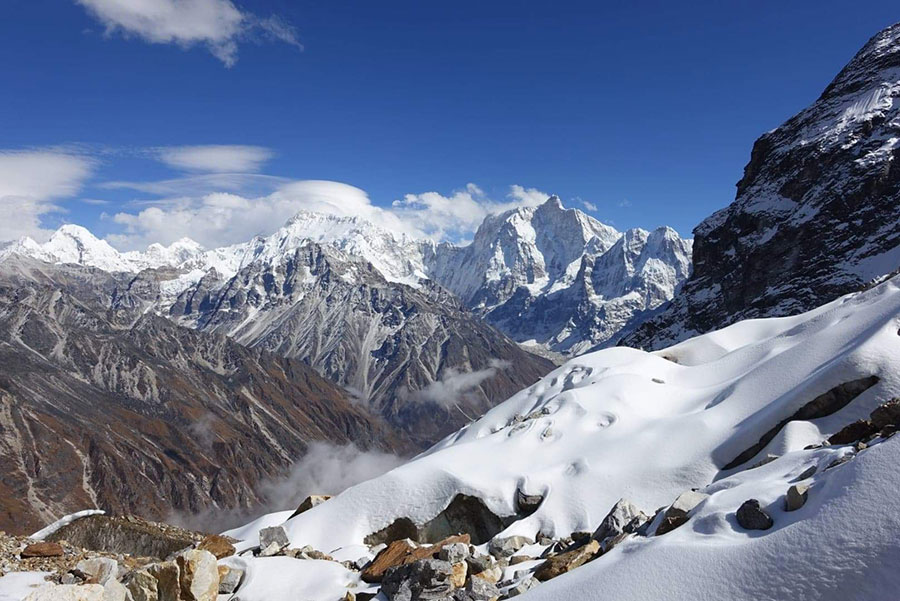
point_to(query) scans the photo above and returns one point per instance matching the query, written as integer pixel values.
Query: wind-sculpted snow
(648, 426)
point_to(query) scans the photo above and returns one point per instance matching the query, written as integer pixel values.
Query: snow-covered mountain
(553, 278)
(559, 279)
(817, 213)
(744, 438)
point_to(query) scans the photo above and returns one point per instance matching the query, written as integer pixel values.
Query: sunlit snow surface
(648, 426)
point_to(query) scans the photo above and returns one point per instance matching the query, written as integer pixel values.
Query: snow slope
(648, 426)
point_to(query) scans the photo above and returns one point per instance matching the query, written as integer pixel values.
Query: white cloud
(225, 217)
(455, 385)
(459, 215)
(215, 158)
(217, 24)
(589, 206)
(30, 182)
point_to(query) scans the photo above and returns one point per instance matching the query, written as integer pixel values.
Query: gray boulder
(624, 517)
(751, 517)
(796, 496)
(505, 547)
(273, 537)
(423, 580)
(678, 512)
(477, 589)
(522, 587)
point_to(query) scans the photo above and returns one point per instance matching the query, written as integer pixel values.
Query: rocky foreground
(101, 558)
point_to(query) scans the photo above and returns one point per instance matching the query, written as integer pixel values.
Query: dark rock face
(816, 213)
(751, 517)
(127, 535)
(98, 399)
(397, 347)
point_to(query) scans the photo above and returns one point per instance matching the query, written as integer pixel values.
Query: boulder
(404, 551)
(142, 586)
(624, 517)
(67, 592)
(852, 432)
(98, 570)
(310, 502)
(568, 561)
(423, 580)
(229, 579)
(218, 545)
(886, 415)
(522, 587)
(274, 536)
(198, 575)
(517, 559)
(505, 547)
(796, 496)
(42, 549)
(678, 512)
(168, 584)
(807, 473)
(751, 517)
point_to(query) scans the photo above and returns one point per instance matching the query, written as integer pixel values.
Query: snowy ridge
(648, 426)
(547, 276)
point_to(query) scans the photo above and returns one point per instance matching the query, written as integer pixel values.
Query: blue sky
(647, 112)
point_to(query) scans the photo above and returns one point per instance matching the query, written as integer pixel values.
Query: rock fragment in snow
(568, 561)
(751, 517)
(807, 473)
(42, 549)
(454, 552)
(404, 551)
(678, 512)
(505, 547)
(852, 432)
(310, 502)
(198, 575)
(273, 537)
(522, 587)
(796, 496)
(218, 545)
(624, 517)
(477, 589)
(886, 415)
(527, 504)
(229, 579)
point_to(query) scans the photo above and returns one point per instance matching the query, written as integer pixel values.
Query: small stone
(886, 415)
(271, 550)
(310, 502)
(807, 473)
(839, 461)
(769, 458)
(492, 575)
(477, 589)
(527, 504)
(522, 587)
(505, 547)
(852, 432)
(623, 517)
(458, 574)
(454, 553)
(517, 559)
(198, 575)
(229, 579)
(860, 446)
(42, 549)
(751, 517)
(274, 535)
(796, 496)
(218, 545)
(566, 562)
(678, 512)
